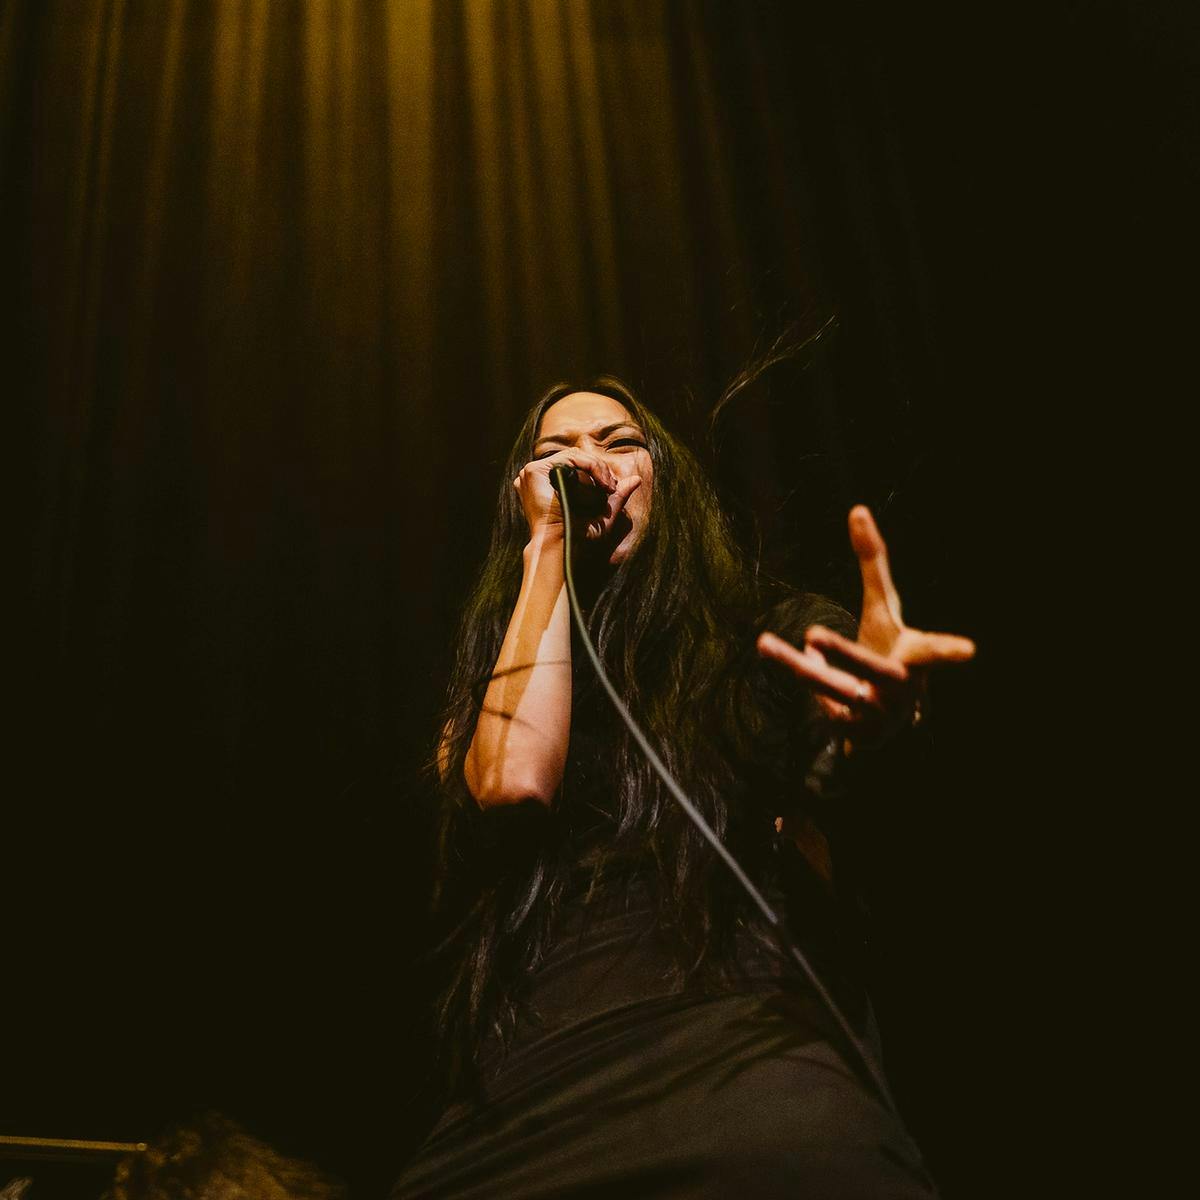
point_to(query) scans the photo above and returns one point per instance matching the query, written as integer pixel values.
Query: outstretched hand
(874, 686)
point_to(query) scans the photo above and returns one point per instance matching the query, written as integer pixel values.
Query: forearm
(519, 748)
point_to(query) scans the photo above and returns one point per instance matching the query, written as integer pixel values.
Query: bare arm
(519, 748)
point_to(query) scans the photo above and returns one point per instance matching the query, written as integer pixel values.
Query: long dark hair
(673, 625)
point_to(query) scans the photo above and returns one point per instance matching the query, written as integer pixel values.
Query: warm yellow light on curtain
(157, 174)
(319, 201)
(240, 31)
(643, 124)
(598, 231)
(530, 215)
(408, 165)
(87, 65)
(491, 174)
(370, 187)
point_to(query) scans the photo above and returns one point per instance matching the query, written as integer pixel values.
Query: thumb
(615, 500)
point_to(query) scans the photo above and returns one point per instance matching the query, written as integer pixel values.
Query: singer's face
(602, 426)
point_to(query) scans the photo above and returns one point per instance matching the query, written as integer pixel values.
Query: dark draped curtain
(280, 279)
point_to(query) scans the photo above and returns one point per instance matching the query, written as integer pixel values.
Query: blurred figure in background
(214, 1158)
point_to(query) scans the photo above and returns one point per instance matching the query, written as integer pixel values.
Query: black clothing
(619, 1086)
(617, 1081)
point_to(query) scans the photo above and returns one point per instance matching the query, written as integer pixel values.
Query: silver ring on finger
(863, 691)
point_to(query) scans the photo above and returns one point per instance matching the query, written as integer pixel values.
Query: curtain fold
(285, 277)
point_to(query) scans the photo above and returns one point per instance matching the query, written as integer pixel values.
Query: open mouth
(616, 533)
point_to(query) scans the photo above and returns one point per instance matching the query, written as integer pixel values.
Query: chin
(624, 548)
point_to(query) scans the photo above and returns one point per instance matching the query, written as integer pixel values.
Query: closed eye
(628, 441)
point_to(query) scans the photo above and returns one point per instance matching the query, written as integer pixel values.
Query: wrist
(544, 538)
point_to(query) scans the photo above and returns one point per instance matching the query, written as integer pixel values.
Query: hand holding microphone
(596, 495)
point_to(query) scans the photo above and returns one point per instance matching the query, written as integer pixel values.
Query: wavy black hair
(674, 625)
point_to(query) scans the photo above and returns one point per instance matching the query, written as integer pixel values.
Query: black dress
(626, 1089)
(617, 1083)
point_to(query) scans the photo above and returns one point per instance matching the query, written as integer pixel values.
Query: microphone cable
(559, 475)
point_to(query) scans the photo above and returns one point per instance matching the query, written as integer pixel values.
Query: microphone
(584, 495)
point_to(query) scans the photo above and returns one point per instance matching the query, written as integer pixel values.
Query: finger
(599, 470)
(926, 649)
(872, 554)
(863, 656)
(809, 665)
(621, 493)
(599, 526)
(835, 710)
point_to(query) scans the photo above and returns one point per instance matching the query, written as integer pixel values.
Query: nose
(592, 446)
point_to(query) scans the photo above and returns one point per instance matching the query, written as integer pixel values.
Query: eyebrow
(600, 433)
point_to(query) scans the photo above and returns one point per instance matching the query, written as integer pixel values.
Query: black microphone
(584, 495)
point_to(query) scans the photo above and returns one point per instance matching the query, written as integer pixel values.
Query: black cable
(558, 476)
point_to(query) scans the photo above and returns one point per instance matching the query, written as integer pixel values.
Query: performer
(616, 1018)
